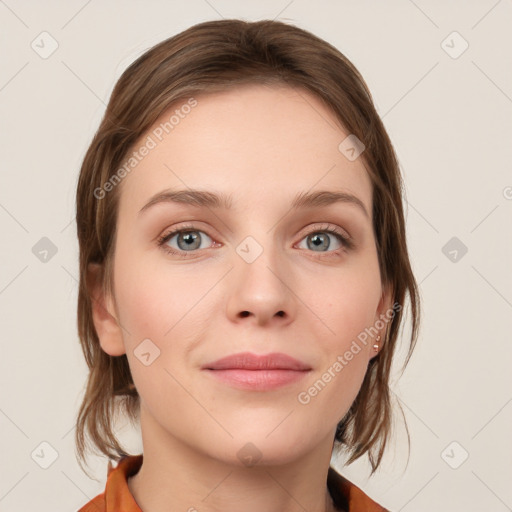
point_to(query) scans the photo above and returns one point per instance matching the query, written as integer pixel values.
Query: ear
(385, 307)
(105, 322)
(382, 318)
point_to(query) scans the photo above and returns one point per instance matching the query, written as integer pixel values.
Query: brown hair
(216, 56)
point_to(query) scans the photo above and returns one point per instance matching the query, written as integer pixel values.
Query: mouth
(259, 373)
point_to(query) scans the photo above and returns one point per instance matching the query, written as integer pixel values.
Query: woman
(243, 271)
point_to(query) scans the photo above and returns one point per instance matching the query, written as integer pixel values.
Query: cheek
(166, 305)
(151, 310)
(336, 382)
(153, 297)
(347, 304)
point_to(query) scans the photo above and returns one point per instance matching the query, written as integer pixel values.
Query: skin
(263, 145)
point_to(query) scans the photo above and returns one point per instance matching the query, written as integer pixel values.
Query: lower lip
(258, 380)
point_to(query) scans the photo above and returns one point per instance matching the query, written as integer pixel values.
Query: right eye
(187, 240)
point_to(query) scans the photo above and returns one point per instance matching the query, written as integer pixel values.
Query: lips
(249, 361)
(252, 372)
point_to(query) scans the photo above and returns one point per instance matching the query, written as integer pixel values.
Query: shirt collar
(346, 496)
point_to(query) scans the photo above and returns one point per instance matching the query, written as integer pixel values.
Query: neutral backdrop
(441, 77)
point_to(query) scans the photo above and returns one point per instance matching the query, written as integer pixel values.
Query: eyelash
(345, 240)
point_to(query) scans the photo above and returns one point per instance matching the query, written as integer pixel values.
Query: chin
(260, 450)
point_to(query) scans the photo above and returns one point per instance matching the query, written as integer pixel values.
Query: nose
(261, 291)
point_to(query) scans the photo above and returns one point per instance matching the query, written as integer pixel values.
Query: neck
(176, 476)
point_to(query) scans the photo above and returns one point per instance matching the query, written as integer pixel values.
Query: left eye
(321, 240)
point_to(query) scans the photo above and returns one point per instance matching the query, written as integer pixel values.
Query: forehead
(252, 142)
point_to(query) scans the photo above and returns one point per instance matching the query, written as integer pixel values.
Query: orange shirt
(118, 498)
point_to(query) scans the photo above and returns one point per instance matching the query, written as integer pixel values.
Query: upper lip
(249, 361)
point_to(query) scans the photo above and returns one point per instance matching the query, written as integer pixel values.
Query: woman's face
(260, 276)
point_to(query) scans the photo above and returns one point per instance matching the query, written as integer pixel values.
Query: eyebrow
(203, 198)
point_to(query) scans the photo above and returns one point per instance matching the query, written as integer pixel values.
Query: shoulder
(348, 497)
(95, 505)
(116, 496)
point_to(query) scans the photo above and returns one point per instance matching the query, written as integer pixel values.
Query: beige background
(450, 118)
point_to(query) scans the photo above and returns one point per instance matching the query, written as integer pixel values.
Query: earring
(376, 345)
